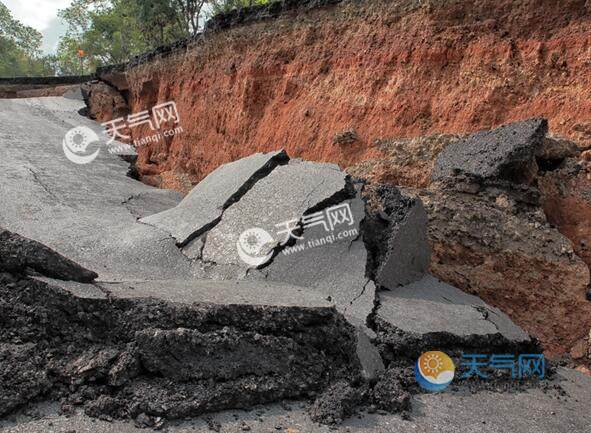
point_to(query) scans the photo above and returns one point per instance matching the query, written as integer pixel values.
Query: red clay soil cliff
(379, 69)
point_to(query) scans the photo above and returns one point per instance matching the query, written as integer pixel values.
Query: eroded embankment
(327, 82)
(343, 81)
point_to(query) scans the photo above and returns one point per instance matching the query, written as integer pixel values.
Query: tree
(159, 15)
(107, 31)
(223, 6)
(188, 13)
(112, 31)
(20, 48)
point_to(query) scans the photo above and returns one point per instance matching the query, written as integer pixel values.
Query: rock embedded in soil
(505, 153)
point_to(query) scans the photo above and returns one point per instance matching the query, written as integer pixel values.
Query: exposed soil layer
(505, 251)
(566, 201)
(370, 69)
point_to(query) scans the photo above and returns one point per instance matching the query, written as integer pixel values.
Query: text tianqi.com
(256, 245)
(163, 119)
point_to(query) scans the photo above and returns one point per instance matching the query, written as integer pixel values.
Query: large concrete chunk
(275, 204)
(505, 153)
(203, 206)
(396, 234)
(430, 307)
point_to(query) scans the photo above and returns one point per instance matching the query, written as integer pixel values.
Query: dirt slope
(383, 69)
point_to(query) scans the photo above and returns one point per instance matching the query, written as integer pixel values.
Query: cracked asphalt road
(90, 215)
(87, 213)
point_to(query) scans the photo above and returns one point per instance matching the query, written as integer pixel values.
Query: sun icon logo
(432, 364)
(76, 142)
(252, 242)
(434, 371)
(255, 246)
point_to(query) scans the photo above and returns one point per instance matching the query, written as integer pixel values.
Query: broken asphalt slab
(222, 292)
(254, 352)
(428, 308)
(505, 153)
(276, 205)
(17, 254)
(227, 292)
(203, 207)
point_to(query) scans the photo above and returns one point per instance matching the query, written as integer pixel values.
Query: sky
(41, 15)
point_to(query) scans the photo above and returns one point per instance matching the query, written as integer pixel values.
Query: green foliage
(107, 31)
(222, 6)
(20, 53)
(112, 31)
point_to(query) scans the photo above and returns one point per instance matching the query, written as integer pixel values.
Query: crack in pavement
(277, 159)
(486, 315)
(42, 185)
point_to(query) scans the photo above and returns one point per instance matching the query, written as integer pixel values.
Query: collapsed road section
(275, 278)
